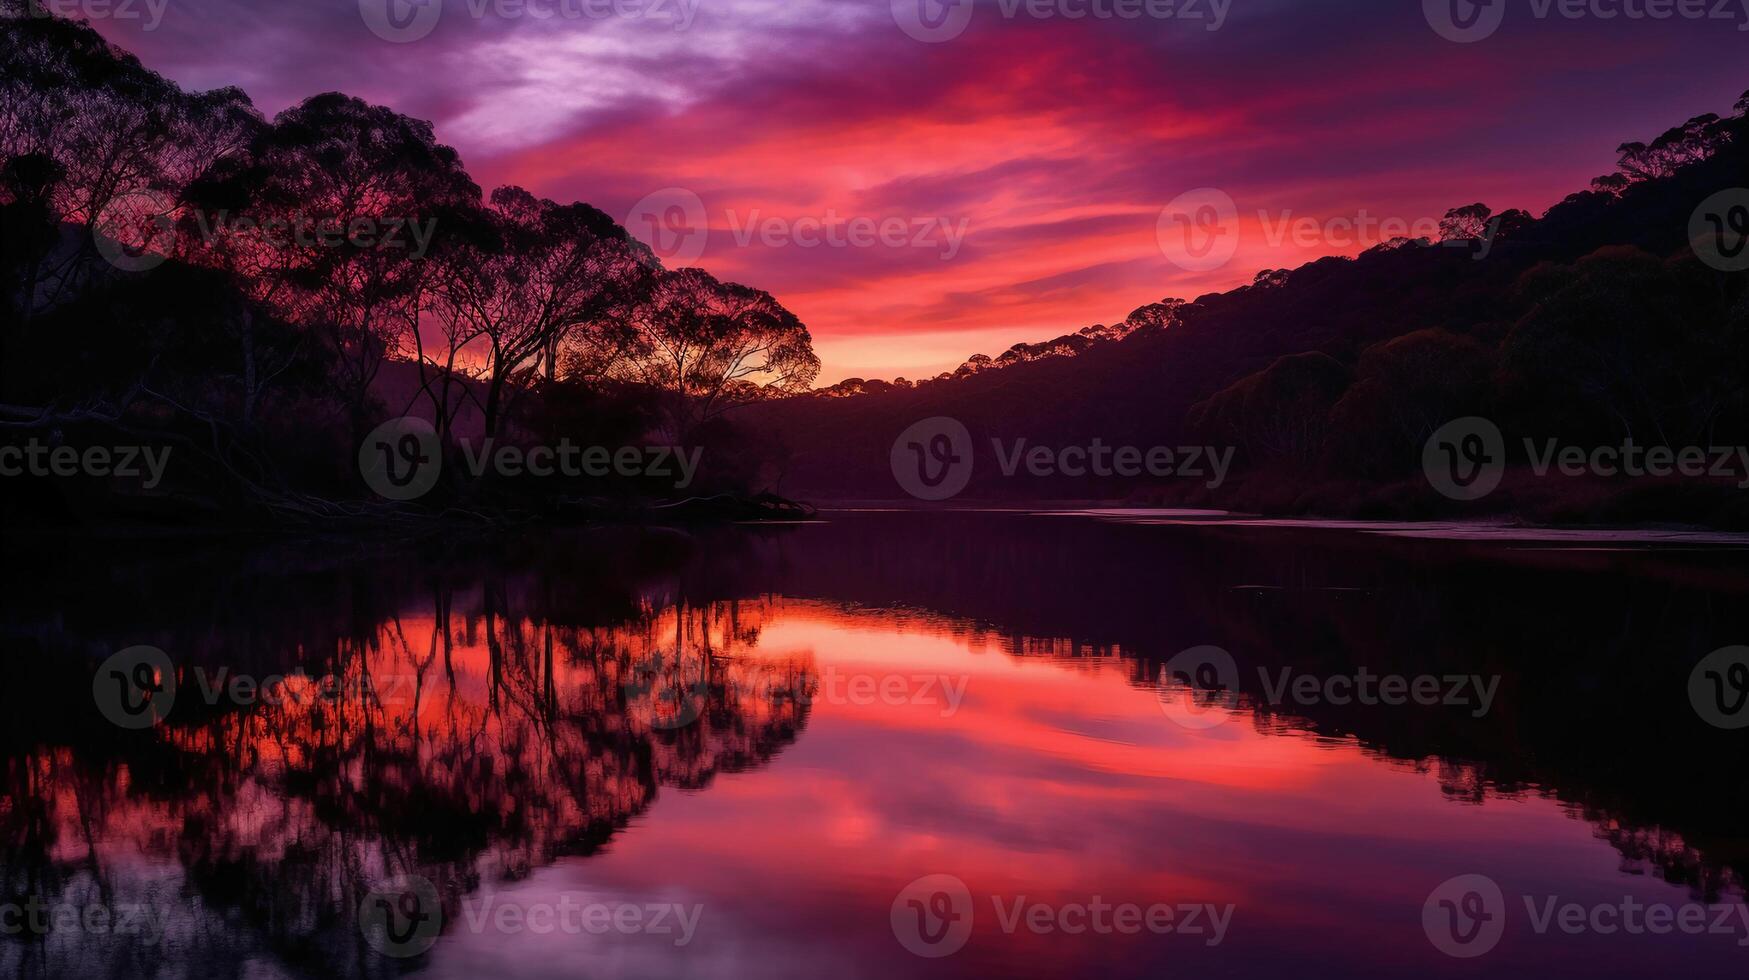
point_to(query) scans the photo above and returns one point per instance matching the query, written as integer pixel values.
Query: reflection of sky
(1060, 781)
(1057, 141)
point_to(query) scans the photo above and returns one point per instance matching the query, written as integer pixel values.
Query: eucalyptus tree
(710, 346)
(534, 275)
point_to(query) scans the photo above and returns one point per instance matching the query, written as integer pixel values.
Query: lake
(884, 743)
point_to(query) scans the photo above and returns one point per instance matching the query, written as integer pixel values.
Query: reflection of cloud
(1058, 780)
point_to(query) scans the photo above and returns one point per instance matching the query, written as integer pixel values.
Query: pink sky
(1051, 144)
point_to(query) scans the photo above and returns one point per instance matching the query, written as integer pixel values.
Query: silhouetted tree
(1510, 224)
(711, 346)
(357, 186)
(536, 272)
(1675, 148)
(124, 140)
(1469, 221)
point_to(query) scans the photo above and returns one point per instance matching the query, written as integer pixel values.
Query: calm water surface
(735, 753)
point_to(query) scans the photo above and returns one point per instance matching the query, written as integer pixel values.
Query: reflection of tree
(467, 745)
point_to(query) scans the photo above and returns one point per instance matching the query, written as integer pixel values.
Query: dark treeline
(258, 295)
(1591, 325)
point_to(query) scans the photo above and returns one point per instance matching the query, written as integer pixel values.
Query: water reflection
(508, 709)
(466, 740)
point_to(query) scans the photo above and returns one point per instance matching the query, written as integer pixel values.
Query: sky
(921, 182)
